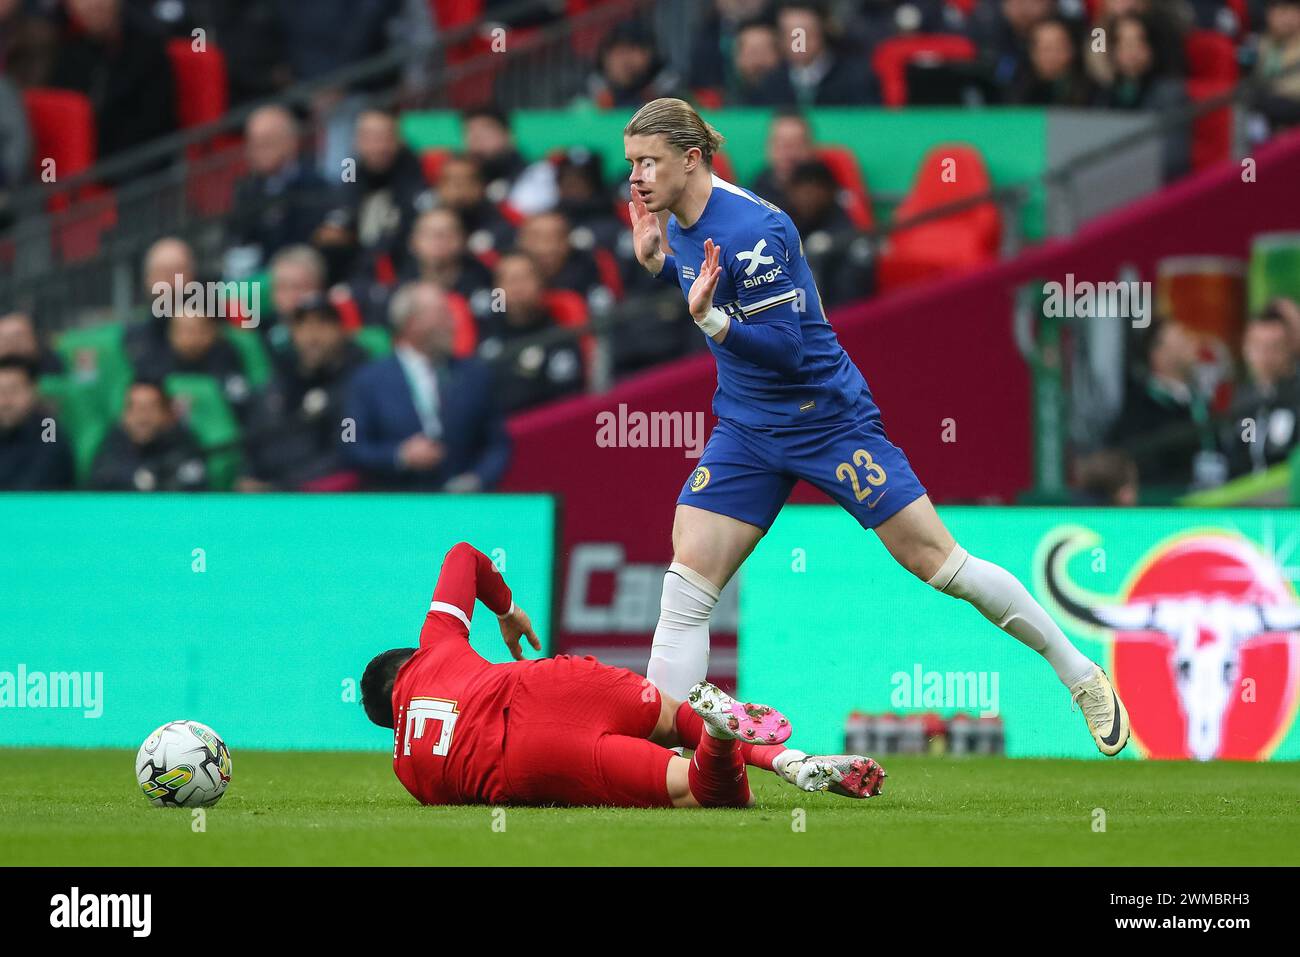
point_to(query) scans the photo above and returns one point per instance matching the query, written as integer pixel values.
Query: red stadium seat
(466, 335)
(1212, 69)
(347, 306)
(63, 131)
(710, 98)
(431, 161)
(844, 167)
(722, 166)
(202, 97)
(610, 276)
(892, 56)
(949, 174)
(202, 93)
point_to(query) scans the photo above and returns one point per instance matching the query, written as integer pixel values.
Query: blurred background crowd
(408, 301)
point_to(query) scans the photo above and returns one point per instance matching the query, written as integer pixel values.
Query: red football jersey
(448, 702)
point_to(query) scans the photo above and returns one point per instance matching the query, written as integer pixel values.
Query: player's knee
(940, 569)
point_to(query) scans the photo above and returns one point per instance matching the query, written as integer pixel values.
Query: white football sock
(1000, 598)
(679, 657)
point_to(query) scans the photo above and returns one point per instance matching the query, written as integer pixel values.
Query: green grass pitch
(65, 807)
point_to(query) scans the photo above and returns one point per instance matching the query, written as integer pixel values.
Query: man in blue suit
(421, 419)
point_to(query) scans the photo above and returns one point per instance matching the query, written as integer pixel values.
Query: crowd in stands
(1188, 422)
(417, 303)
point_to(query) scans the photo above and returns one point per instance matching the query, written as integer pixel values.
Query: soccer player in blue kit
(790, 405)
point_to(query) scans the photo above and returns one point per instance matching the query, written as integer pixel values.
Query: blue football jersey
(766, 280)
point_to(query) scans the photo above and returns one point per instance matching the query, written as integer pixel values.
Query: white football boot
(1102, 709)
(751, 723)
(848, 775)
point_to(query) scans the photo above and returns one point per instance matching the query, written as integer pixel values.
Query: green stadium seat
(80, 416)
(89, 395)
(1274, 269)
(257, 363)
(375, 340)
(213, 422)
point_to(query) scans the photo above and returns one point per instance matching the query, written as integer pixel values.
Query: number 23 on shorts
(873, 474)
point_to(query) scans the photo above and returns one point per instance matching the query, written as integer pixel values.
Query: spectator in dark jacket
(789, 143)
(195, 345)
(583, 199)
(528, 372)
(29, 45)
(756, 58)
(293, 432)
(1263, 429)
(116, 59)
(1001, 29)
(1164, 421)
(717, 35)
(34, 453)
(545, 238)
(283, 199)
(461, 187)
(376, 209)
(839, 259)
(630, 71)
(1054, 75)
(1142, 82)
(18, 339)
(168, 263)
(149, 450)
(422, 419)
(438, 255)
(814, 73)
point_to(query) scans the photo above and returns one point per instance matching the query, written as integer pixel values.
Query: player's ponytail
(678, 121)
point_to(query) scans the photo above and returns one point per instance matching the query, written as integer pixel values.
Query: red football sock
(717, 773)
(690, 726)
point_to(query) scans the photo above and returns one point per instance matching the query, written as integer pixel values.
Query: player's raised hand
(700, 298)
(515, 625)
(647, 237)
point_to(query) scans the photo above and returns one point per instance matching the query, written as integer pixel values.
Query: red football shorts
(576, 733)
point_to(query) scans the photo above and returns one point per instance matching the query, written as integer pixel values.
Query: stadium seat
(96, 363)
(202, 97)
(610, 276)
(431, 161)
(63, 131)
(1212, 69)
(252, 351)
(892, 56)
(722, 166)
(466, 337)
(374, 339)
(80, 414)
(844, 167)
(203, 407)
(948, 174)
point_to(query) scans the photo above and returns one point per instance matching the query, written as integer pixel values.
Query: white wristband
(713, 322)
(509, 611)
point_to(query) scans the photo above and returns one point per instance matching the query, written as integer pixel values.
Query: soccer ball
(183, 764)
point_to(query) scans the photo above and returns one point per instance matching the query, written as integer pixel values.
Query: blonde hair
(678, 121)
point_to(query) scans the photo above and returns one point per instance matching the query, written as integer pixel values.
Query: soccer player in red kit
(568, 730)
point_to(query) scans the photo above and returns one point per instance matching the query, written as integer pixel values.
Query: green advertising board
(829, 624)
(253, 614)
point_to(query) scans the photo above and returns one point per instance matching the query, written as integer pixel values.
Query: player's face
(658, 170)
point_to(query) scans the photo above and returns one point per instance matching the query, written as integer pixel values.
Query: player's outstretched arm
(468, 575)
